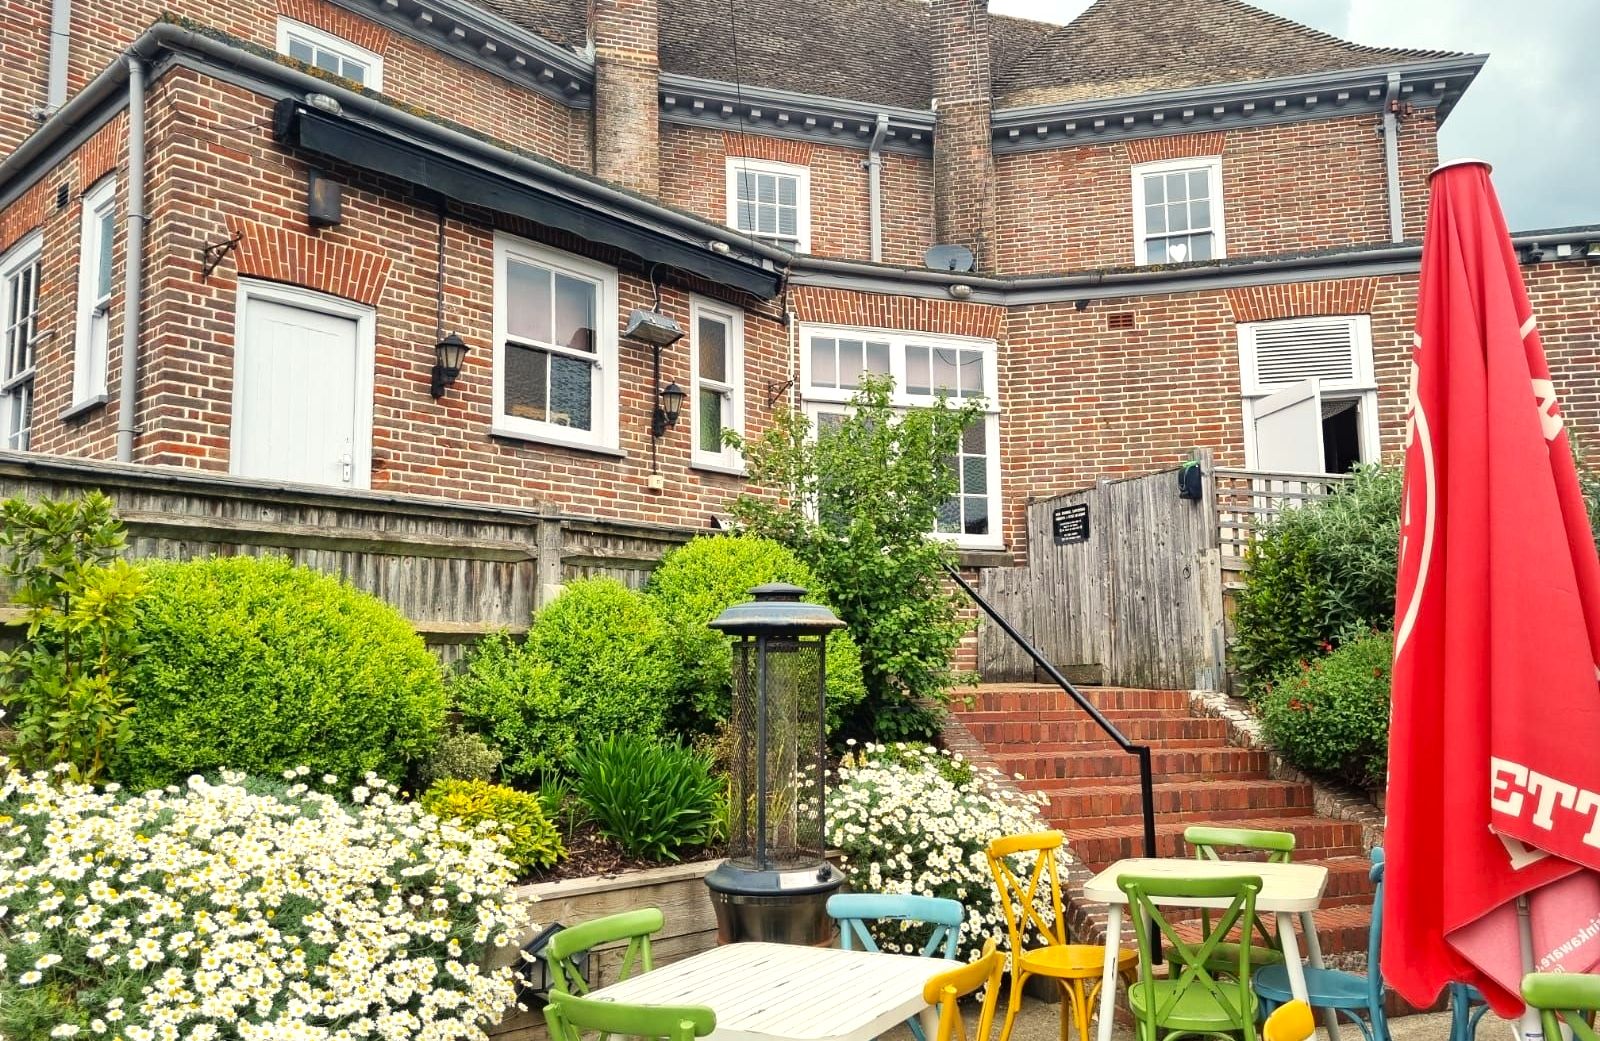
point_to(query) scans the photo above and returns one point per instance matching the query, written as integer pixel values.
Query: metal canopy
(473, 183)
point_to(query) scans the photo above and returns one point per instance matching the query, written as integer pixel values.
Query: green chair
(1190, 1001)
(1209, 844)
(564, 948)
(569, 1016)
(1564, 999)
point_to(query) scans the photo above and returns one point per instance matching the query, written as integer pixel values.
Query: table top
(767, 991)
(1284, 887)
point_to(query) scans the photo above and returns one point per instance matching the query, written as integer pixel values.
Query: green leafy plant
(1317, 575)
(66, 690)
(857, 505)
(597, 660)
(698, 581)
(560, 804)
(460, 756)
(531, 841)
(1331, 716)
(252, 663)
(655, 799)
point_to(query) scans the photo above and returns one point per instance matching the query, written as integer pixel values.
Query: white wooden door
(1288, 430)
(302, 396)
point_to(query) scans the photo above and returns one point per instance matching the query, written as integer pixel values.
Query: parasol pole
(1529, 1028)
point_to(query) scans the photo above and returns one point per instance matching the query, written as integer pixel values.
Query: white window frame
(1361, 387)
(603, 437)
(726, 460)
(1213, 167)
(802, 175)
(320, 38)
(16, 388)
(829, 400)
(366, 349)
(92, 346)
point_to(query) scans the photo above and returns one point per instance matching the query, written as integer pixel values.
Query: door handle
(346, 462)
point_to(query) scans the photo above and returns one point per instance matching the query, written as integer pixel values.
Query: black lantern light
(448, 354)
(776, 881)
(534, 974)
(669, 405)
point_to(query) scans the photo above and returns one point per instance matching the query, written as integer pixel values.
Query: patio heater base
(773, 906)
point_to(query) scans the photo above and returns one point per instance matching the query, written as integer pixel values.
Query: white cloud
(1526, 111)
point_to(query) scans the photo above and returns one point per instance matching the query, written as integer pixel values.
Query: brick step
(1341, 930)
(971, 718)
(1099, 806)
(1032, 697)
(1316, 838)
(1093, 766)
(1164, 730)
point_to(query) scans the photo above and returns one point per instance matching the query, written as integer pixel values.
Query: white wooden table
(779, 992)
(1287, 890)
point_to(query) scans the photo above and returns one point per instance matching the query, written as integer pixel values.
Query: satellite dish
(948, 257)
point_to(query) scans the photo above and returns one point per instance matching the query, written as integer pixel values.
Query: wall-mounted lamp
(447, 357)
(1592, 250)
(651, 327)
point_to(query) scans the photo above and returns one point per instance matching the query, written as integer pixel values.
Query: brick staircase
(1093, 795)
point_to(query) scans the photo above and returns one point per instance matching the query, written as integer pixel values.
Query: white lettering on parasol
(1544, 392)
(1416, 430)
(1514, 789)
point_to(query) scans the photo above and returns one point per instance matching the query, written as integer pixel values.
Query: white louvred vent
(1289, 352)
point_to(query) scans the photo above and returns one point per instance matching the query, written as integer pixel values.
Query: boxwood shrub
(1331, 717)
(253, 664)
(597, 661)
(701, 579)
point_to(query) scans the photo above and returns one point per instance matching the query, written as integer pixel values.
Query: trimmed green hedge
(253, 664)
(597, 660)
(698, 581)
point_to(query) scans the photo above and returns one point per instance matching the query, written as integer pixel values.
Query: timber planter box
(678, 889)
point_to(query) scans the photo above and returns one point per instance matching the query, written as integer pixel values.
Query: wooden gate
(1123, 586)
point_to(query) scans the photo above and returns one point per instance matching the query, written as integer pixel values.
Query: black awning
(509, 192)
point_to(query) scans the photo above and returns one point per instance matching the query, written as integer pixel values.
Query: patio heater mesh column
(777, 879)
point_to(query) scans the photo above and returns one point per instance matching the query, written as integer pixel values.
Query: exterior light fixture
(536, 975)
(669, 405)
(1592, 250)
(657, 331)
(448, 354)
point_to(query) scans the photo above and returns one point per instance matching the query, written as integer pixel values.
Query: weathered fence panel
(1249, 500)
(456, 571)
(1138, 602)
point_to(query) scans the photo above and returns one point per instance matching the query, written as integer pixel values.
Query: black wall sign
(1070, 523)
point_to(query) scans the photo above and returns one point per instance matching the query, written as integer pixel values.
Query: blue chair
(1343, 992)
(1467, 1008)
(854, 910)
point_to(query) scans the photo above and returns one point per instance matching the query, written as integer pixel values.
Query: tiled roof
(1119, 48)
(877, 50)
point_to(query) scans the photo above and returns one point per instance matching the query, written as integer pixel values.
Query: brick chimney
(963, 160)
(627, 127)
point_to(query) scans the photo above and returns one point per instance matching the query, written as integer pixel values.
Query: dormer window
(771, 201)
(325, 51)
(1177, 211)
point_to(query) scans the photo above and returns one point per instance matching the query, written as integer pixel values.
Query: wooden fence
(456, 571)
(1122, 586)
(1248, 500)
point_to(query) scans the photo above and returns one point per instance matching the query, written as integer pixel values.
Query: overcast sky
(1531, 111)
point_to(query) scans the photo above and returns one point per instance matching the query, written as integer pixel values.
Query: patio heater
(777, 879)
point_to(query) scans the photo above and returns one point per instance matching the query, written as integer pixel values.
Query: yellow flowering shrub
(531, 841)
(244, 910)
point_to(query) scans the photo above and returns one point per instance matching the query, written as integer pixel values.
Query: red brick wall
(963, 157)
(210, 179)
(694, 178)
(412, 72)
(1286, 188)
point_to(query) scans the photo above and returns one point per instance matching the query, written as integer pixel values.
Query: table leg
(929, 1017)
(1291, 956)
(1314, 957)
(1108, 982)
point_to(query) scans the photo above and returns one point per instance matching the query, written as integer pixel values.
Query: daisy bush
(915, 819)
(244, 909)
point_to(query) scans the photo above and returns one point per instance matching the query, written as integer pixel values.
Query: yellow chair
(1292, 1022)
(946, 990)
(1069, 964)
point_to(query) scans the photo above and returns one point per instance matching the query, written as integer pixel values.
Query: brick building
(232, 233)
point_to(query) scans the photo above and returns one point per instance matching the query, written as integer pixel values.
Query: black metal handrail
(1147, 796)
